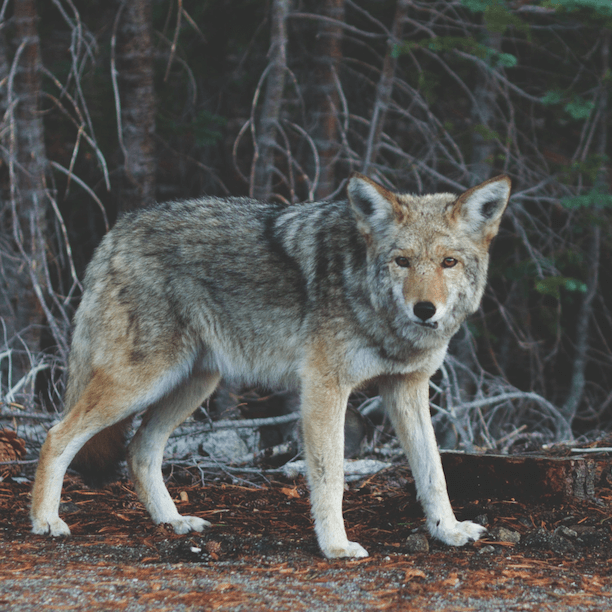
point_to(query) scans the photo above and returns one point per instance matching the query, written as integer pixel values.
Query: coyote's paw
(54, 527)
(185, 524)
(458, 534)
(350, 550)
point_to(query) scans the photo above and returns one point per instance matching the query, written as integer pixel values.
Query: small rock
(501, 534)
(68, 507)
(566, 532)
(546, 540)
(417, 543)
(482, 519)
(486, 550)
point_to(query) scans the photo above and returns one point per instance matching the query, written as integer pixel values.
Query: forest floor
(260, 553)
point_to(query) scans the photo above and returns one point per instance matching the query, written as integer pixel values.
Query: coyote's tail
(98, 460)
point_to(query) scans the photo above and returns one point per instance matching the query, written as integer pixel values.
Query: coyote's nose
(424, 310)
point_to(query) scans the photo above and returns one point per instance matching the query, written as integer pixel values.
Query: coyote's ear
(479, 210)
(375, 206)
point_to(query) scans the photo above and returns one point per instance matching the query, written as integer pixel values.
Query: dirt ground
(261, 554)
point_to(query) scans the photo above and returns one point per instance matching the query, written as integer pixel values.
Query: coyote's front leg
(406, 399)
(323, 410)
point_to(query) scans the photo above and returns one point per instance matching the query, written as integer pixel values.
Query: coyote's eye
(449, 262)
(402, 262)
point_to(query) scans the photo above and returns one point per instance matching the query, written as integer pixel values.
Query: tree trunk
(384, 90)
(537, 477)
(576, 391)
(137, 103)
(266, 130)
(328, 54)
(24, 225)
(483, 113)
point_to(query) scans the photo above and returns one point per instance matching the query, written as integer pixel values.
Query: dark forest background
(110, 105)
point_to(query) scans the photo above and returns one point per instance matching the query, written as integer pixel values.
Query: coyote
(320, 296)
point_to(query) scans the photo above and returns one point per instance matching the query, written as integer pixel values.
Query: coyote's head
(430, 253)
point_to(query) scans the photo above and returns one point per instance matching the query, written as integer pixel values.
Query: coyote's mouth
(429, 324)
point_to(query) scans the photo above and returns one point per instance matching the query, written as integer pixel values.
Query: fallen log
(525, 478)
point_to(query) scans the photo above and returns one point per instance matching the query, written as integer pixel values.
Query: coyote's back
(320, 296)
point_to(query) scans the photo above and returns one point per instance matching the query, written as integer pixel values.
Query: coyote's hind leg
(146, 450)
(102, 404)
